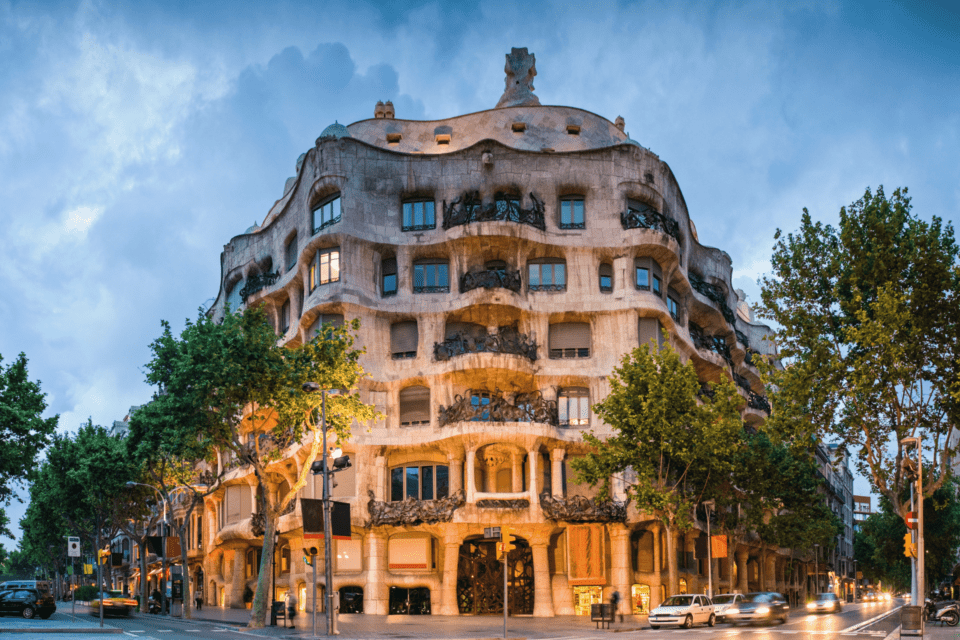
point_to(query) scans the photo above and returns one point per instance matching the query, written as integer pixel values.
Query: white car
(684, 610)
(723, 601)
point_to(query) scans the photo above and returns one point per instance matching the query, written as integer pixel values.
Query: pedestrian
(291, 602)
(615, 603)
(198, 596)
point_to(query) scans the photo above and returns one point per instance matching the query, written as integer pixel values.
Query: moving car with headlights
(828, 602)
(759, 607)
(114, 604)
(723, 602)
(870, 596)
(684, 610)
(28, 603)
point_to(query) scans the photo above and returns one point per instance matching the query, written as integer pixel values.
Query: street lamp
(163, 547)
(916, 505)
(321, 467)
(816, 568)
(708, 505)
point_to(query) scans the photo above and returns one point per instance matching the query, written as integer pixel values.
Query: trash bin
(278, 611)
(601, 613)
(911, 621)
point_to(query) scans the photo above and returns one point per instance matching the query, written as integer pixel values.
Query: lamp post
(816, 568)
(273, 588)
(708, 506)
(163, 547)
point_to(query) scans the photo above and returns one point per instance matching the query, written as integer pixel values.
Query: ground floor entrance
(583, 597)
(480, 578)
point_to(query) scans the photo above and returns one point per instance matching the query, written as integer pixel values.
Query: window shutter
(403, 337)
(336, 319)
(570, 335)
(606, 270)
(415, 405)
(469, 329)
(233, 504)
(292, 252)
(649, 329)
(390, 266)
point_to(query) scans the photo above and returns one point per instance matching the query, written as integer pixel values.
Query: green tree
(668, 443)
(23, 432)
(229, 395)
(868, 317)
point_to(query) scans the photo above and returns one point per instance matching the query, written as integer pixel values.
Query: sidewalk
(60, 622)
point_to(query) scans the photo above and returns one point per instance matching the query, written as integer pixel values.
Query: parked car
(114, 604)
(28, 603)
(828, 602)
(684, 610)
(723, 602)
(39, 585)
(759, 607)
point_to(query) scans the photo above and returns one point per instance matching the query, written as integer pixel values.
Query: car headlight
(762, 611)
(811, 605)
(731, 610)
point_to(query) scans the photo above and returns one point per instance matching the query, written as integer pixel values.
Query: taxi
(114, 604)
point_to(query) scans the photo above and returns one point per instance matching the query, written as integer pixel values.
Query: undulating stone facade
(501, 263)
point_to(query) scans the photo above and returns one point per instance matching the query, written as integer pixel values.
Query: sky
(137, 138)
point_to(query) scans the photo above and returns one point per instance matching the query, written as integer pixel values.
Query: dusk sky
(136, 139)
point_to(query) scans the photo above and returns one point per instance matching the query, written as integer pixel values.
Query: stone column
(448, 589)
(534, 493)
(490, 476)
(456, 473)
(741, 555)
(379, 480)
(770, 573)
(621, 569)
(542, 586)
(516, 476)
(556, 472)
(655, 588)
(237, 580)
(374, 590)
(470, 478)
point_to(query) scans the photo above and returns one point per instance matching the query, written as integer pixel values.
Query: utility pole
(707, 506)
(917, 595)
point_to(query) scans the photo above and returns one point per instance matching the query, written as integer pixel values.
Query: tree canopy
(868, 315)
(668, 442)
(228, 395)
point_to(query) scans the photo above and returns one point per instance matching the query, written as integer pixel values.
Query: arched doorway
(480, 578)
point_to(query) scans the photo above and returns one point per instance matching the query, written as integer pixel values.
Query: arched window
(326, 213)
(569, 340)
(606, 277)
(325, 267)
(285, 559)
(404, 339)
(414, 406)
(683, 585)
(389, 276)
(547, 274)
(253, 562)
(234, 300)
(573, 406)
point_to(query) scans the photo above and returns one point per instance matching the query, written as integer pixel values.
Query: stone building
(501, 263)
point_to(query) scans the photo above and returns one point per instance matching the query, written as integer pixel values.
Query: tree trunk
(731, 564)
(672, 576)
(142, 546)
(186, 568)
(261, 605)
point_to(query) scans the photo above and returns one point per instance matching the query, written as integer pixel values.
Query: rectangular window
(396, 484)
(291, 253)
(325, 267)
(606, 277)
(573, 407)
(547, 276)
(643, 278)
(426, 473)
(431, 277)
(326, 214)
(673, 308)
(479, 400)
(285, 316)
(657, 285)
(443, 482)
(418, 215)
(389, 276)
(413, 482)
(571, 213)
(569, 340)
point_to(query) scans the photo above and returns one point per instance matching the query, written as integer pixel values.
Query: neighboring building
(501, 263)
(862, 509)
(834, 465)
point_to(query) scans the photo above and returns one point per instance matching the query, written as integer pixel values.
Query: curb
(105, 630)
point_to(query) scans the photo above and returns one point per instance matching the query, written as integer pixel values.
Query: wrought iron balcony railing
(470, 208)
(491, 279)
(715, 294)
(486, 406)
(644, 216)
(257, 282)
(505, 340)
(716, 344)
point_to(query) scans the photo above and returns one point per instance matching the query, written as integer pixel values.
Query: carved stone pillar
(448, 589)
(770, 572)
(375, 598)
(237, 579)
(620, 565)
(655, 588)
(471, 475)
(556, 472)
(533, 492)
(741, 556)
(380, 479)
(542, 589)
(490, 476)
(456, 473)
(516, 476)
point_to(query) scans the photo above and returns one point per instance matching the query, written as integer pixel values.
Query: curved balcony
(713, 293)
(491, 279)
(643, 216)
(470, 208)
(493, 406)
(505, 340)
(714, 344)
(257, 282)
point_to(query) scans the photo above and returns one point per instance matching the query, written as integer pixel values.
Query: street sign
(491, 532)
(313, 519)
(73, 547)
(911, 520)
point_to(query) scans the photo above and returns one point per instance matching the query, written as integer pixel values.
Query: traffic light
(103, 553)
(509, 539)
(909, 549)
(308, 554)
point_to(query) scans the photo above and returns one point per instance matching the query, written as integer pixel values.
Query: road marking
(867, 623)
(893, 633)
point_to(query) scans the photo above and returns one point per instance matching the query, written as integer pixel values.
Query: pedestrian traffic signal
(909, 548)
(509, 539)
(103, 553)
